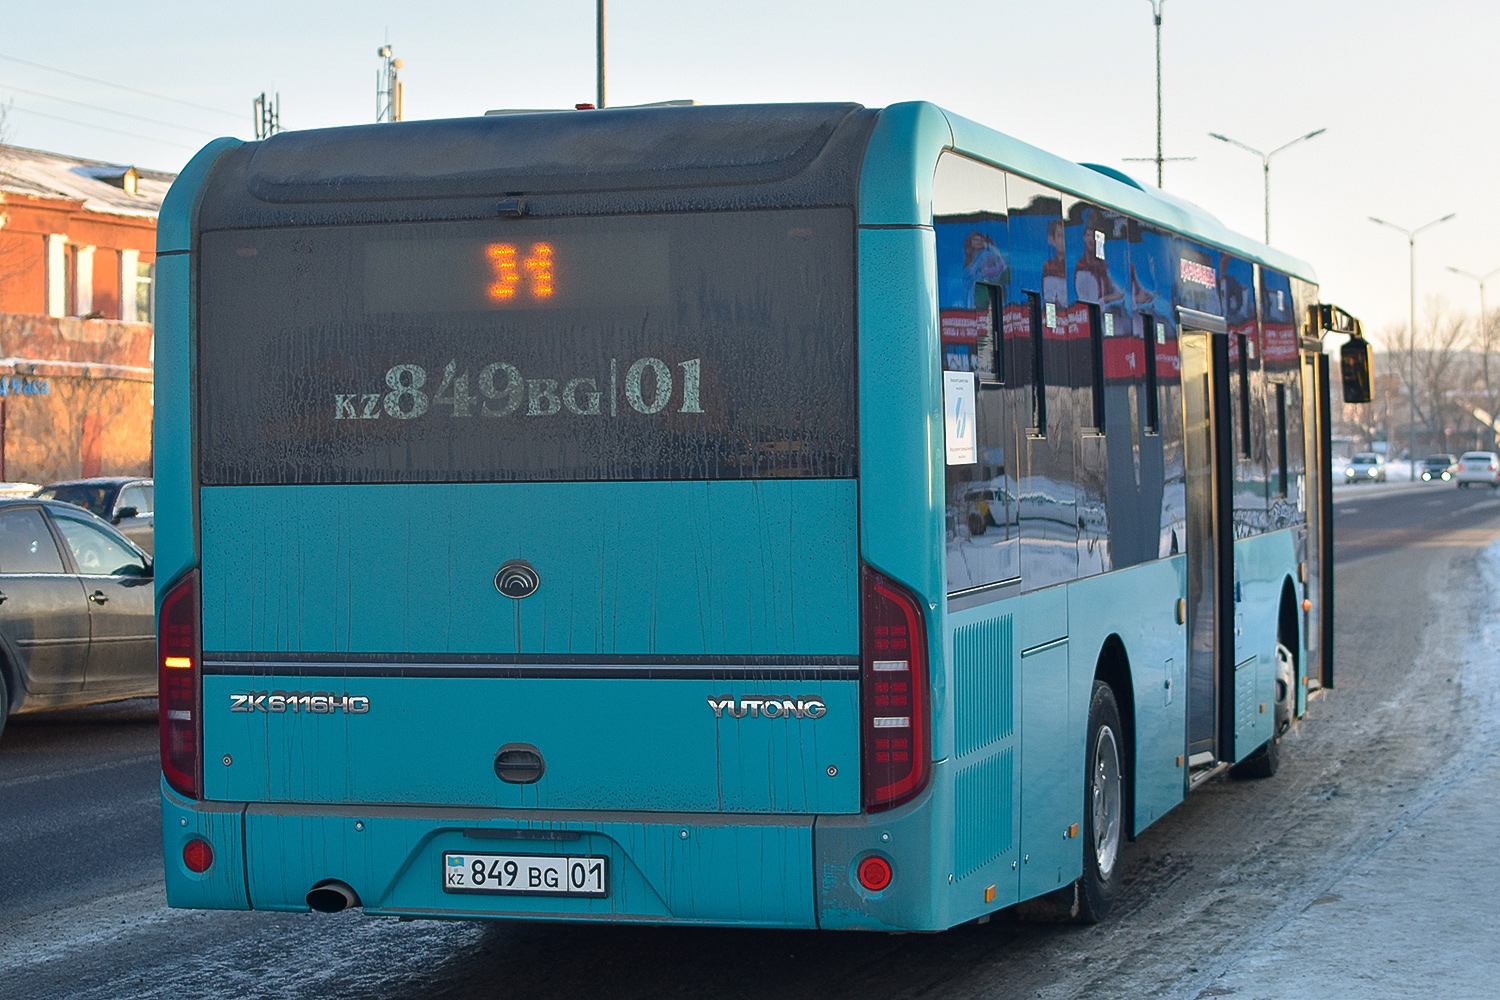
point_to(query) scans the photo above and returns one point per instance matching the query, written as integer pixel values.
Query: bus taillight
(894, 692)
(178, 677)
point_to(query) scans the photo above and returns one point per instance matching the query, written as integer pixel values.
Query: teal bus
(789, 516)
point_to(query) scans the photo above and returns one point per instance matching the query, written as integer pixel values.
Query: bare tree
(1486, 344)
(1440, 371)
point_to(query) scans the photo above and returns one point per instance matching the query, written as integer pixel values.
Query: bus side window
(1096, 362)
(1243, 344)
(1150, 332)
(989, 359)
(974, 275)
(1281, 463)
(1038, 375)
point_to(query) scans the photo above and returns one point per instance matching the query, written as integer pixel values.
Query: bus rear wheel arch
(1105, 782)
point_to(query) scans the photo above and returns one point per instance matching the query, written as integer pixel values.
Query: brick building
(77, 263)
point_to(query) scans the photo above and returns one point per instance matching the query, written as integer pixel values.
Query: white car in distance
(1366, 467)
(1479, 467)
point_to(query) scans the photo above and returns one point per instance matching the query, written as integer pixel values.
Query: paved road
(1213, 891)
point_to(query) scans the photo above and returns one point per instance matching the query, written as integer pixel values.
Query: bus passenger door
(1208, 538)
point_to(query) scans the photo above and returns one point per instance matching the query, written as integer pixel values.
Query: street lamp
(1265, 162)
(1158, 159)
(599, 53)
(1411, 242)
(1484, 325)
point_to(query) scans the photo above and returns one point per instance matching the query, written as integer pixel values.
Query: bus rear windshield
(665, 347)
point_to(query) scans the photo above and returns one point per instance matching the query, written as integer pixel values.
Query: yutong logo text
(316, 702)
(770, 708)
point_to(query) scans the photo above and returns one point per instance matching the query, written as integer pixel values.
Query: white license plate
(527, 874)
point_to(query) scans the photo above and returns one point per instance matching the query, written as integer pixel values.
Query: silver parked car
(77, 610)
(1479, 467)
(124, 501)
(1366, 467)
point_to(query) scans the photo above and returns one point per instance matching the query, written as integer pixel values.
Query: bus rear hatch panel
(659, 868)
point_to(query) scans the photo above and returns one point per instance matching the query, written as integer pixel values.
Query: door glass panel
(1202, 547)
(26, 546)
(96, 551)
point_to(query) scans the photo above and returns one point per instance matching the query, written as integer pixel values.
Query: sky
(1406, 91)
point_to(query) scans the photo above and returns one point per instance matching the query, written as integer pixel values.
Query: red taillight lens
(874, 873)
(198, 856)
(178, 679)
(894, 692)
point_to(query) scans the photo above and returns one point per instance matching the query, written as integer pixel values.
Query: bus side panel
(660, 868)
(1262, 564)
(1156, 648)
(172, 418)
(986, 757)
(901, 514)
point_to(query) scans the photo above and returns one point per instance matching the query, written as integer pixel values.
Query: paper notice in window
(958, 417)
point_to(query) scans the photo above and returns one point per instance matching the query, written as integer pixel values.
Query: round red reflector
(874, 873)
(198, 856)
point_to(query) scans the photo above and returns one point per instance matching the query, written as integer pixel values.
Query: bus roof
(654, 158)
(922, 125)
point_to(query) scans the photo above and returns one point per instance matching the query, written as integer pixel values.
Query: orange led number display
(508, 271)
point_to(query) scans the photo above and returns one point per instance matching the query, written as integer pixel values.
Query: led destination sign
(585, 271)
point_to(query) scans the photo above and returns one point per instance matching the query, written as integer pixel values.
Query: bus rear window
(664, 347)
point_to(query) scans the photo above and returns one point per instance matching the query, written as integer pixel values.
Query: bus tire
(1263, 763)
(1103, 808)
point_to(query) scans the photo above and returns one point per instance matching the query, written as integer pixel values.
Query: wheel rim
(1106, 801)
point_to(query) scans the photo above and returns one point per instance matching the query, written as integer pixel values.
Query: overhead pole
(599, 38)
(1159, 158)
(1156, 6)
(1411, 242)
(1484, 340)
(1265, 162)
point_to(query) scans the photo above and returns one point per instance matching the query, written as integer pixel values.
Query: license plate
(527, 874)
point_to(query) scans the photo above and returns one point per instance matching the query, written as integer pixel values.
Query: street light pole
(1158, 159)
(1484, 340)
(1411, 242)
(1156, 16)
(1265, 162)
(599, 37)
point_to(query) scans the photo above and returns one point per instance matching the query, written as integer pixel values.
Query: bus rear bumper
(731, 870)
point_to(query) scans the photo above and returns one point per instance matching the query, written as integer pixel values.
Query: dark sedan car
(77, 612)
(124, 501)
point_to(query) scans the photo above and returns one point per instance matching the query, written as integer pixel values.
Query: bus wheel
(1104, 808)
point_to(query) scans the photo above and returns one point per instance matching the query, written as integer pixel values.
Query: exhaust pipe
(332, 896)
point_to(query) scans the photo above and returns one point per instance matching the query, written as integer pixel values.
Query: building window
(145, 298)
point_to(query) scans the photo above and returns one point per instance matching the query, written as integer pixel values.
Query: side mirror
(125, 512)
(1355, 361)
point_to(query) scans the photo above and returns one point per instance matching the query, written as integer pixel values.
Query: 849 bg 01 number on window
(525, 874)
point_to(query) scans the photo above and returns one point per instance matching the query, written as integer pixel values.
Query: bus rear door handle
(98, 597)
